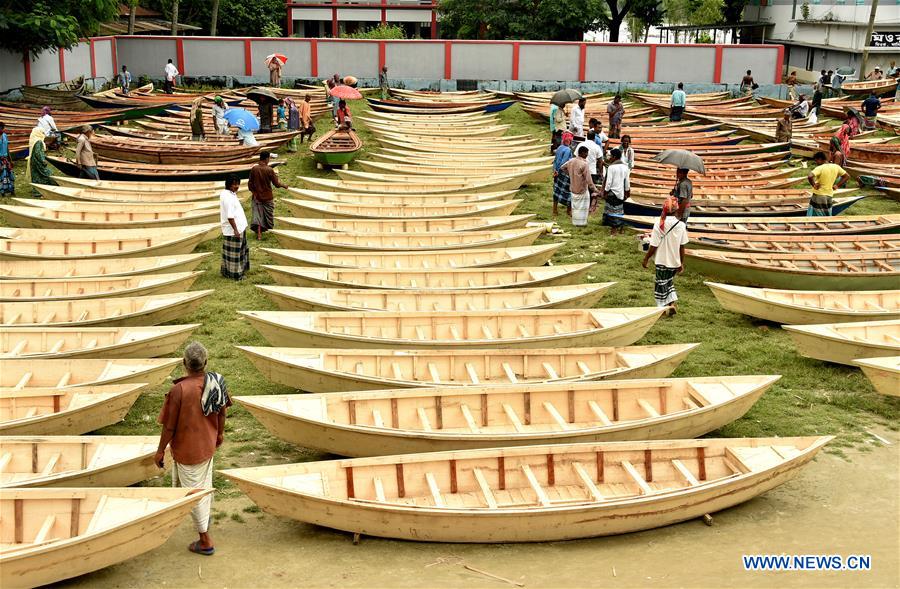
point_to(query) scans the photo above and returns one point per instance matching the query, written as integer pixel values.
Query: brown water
(833, 507)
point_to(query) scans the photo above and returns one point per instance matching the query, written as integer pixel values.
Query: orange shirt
(195, 434)
(305, 114)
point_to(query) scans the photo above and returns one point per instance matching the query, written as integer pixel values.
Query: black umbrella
(564, 97)
(681, 158)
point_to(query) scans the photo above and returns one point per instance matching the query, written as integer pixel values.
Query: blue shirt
(870, 106)
(4, 145)
(563, 154)
(678, 98)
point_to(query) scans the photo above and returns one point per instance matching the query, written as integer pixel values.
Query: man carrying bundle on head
(262, 178)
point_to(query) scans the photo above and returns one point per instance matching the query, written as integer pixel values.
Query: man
(893, 71)
(218, 115)
(801, 109)
(667, 241)
(595, 154)
(600, 138)
(235, 252)
(193, 424)
(824, 80)
(576, 119)
(784, 128)
(824, 179)
(581, 186)
(871, 106)
(615, 111)
(557, 125)
(684, 192)
(791, 83)
(171, 73)
(333, 83)
(84, 155)
(875, 74)
(678, 102)
(383, 83)
(262, 178)
(306, 124)
(747, 83)
(616, 191)
(125, 80)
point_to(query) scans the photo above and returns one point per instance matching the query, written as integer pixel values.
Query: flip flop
(196, 549)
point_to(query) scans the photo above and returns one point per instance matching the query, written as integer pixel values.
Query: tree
(733, 13)
(132, 14)
(174, 17)
(559, 20)
(38, 25)
(645, 14)
(613, 19)
(235, 18)
(213, 17)
(694, 12)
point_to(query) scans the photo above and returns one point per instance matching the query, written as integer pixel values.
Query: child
(667, 245)
(280, 112)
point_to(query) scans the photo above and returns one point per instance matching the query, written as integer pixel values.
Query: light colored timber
(405, 200)
(842, 343)
(100, 267)
(456, 330)
(90, 529)
(427, 419)
(137, 194)
(379, 187)
(107, 312)
(40, 411)
(531, 255)
(92, 342)
(27, 374)
(69, 289)
(511, 179)
(535, 173)
(416, 279)
(581, 296)
(402, 225)
(69, 217)
(803, 307)
(841, 224)
(527, 494)
(78, 461)
(405, 242)
(351, 210)
(884, 373)
(798, 244)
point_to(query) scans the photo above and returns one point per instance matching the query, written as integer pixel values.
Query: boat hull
(885, 379)
(837, 350)
(777, 278)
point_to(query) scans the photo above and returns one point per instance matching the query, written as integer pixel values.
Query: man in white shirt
(667, 241)
(616, 190)
(576, 119)
(801, 109)
(594, 157)
(235, 252)
(171, 73)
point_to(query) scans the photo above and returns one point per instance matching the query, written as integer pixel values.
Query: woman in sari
(37, 169)
(560, 177)
(197, 132)
(616, 112)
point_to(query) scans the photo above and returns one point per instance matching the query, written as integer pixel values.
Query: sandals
(197, 549)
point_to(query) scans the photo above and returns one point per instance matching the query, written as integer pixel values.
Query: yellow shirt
(825, 176)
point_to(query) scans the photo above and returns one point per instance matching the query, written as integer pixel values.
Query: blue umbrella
(240, 118)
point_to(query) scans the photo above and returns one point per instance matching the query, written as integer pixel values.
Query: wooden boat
(379, 423)
(639, 206)
(804, 243)
(531, 255)
(57, 534)
(99, 267)
(884, 373)
(451, 150)
(535, 493)
(405, 242)
(48, 244)
(842, 224)
(486, 107)
(402, 225)
(28, 374)
(878, 86)
(337, 147)
(157, 152)
(209, 187)
(78, 461)
(803, 307)
(443, 187)
(105, 312)
(41, 411)
(842, 343)
(93, 342)
(333, 210)
(478, 133)
(137, 196)
(456, 329)
(115, 170)
(326, 371)
(440, 279)
(512, 179)
(581, 296)
(385, 162)
(63, 95)
(851, 271)
(65, 215)
(403, 200)
(70, 290)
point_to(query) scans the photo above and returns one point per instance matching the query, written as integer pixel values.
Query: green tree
(38, 25)
(382, 31)
(235, 18)
(733, 13)
(614, 16)
(645, 14)
(558, 20)
(694, 12)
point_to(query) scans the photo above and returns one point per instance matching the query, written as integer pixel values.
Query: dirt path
(834, 507)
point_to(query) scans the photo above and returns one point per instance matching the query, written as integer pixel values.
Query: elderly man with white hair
(193, 424)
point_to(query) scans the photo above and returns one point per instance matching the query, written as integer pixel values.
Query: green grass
(812, 398)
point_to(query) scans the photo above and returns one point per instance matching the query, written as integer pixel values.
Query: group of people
(340, 112)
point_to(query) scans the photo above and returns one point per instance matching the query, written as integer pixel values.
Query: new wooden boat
(337, 147)
(439, 419)
(512, 179)
(66, 216)
(327, 371)
(57, 534)
(116, 170)
(639, 206)
(47, 244)
(115, 198)
(451, 150)
(804, 243)
(535, 493)
(851, 271)
(27, 374)
(93, 342)
(847, 224)
(326, 210)
(77, 461)
(842, 343)
(99, 267)
(382, 161)
(211, 188)
(878, 86)
(402, 225)
(403, 200)
(42, 411)
(405, 242)
(155, 152)
(530, 255)
(581, 296)
(105, 312)
(75, 289)
(422, 279)
(802, 307)
(443, 187)
(884, 373)
(456, 329)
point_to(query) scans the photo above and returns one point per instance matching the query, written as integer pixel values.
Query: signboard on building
(885, 39)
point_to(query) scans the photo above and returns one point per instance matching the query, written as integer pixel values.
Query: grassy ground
(811, 398)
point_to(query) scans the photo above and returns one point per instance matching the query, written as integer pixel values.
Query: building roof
(846, 23)
(720, 26)
(139, 11)
(142, 26)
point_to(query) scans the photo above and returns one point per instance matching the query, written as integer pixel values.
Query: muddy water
(833, 507)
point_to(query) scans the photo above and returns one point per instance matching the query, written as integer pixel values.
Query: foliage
(382, 31)
(38, 25)
(614, 15)
(558, 20)
(704, 37)
(644, 14)
(694, 12)
(237, 18)
(804, 10)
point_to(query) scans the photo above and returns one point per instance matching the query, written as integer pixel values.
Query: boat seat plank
(636, 477)
(586, 480)
(379, 490)
(599, 413)
(486, 493)
(542, 497)
(554, 413)
(46, 527)
(467, 415)
(683, 470)
(434, 489)
(513, 417)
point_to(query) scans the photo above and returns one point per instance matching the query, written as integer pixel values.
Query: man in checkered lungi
(235, 252)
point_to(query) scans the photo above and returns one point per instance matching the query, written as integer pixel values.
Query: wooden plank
(513, 418)
(438, 412)
(535, 486)
(648, 465)
(435, 490)
(648, 408)
(51, 464)
(467, 415)
(379, 490)
(75, 517)
(18, 520)
(701, 462)
(501, 472)
(570, 395)
(395, 417)
(486, 493)
(636, 477)
(585, 478)
(432, 371)
(376, 418)
(44, 532)
(454, 488)
(510, 375)
(551, 373)
(551, 409)
(351, 492)
(551, 471)
(401, 487)
(473, 376)
(423, 419)
(600, 466)
(687, 474)
(599, 413)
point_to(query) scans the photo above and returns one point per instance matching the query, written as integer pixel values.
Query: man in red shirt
(193, 420)
(262, 178)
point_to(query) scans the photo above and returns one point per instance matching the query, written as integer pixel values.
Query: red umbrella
(280, 57)
(346, 93)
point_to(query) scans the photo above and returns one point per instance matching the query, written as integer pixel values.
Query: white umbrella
(681, 158)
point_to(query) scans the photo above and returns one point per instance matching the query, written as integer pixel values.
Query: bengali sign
(885, 39)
